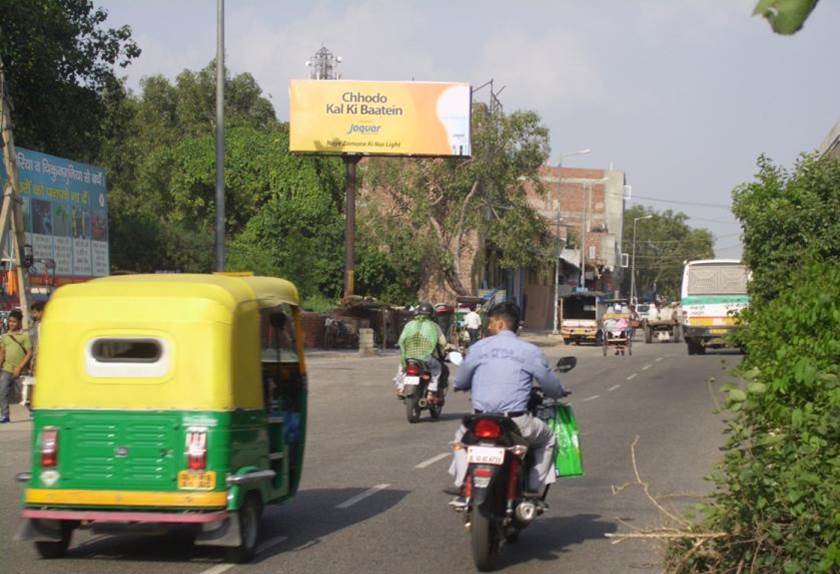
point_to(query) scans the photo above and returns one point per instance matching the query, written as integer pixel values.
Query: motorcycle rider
(422, 339)
(499, 370)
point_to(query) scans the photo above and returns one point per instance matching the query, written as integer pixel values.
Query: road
(371, 498)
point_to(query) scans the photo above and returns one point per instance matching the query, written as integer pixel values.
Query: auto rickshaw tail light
(197, 449)
(49, 448)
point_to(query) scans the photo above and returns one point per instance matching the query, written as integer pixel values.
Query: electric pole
(220, 135)
(11, 213)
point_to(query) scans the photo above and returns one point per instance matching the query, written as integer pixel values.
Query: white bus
(713, 292)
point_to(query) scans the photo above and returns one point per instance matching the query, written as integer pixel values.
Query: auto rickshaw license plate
(197, 480)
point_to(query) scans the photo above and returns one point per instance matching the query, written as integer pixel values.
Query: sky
(681, 95)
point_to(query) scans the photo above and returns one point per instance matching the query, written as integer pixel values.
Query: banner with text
(65, 207)
(379, 118)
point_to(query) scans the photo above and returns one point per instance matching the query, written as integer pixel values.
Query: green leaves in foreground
(777, 491)
(785, 16)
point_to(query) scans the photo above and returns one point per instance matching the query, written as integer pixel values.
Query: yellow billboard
(379, 118)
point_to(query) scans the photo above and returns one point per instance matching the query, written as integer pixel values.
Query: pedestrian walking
(36, 313)
(15, 353)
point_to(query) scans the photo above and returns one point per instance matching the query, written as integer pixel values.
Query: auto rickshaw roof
(227, 290)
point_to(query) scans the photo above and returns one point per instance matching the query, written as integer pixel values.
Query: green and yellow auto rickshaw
(173, 400)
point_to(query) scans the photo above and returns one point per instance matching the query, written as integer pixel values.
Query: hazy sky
(682, 95)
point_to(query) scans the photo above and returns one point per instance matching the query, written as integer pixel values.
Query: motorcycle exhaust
(422, 403)
(526, 511)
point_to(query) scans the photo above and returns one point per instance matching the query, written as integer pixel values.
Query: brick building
(573, 196)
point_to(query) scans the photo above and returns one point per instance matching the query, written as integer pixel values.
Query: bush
(777, 494)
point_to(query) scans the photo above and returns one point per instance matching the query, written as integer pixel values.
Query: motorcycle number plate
(485, 455)
(412, 380)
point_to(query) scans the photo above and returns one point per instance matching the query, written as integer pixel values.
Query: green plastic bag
(568, 460)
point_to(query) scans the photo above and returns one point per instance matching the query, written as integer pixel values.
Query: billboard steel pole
(350, 163)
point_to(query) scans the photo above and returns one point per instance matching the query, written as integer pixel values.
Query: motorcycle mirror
(455, 358)
(566, 364)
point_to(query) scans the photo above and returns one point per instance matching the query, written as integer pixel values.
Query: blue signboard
(65, 213)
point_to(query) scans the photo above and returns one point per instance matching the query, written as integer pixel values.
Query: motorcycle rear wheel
(412, 409)
(485, 540)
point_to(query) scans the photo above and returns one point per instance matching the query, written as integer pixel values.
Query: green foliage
(778, 493)
(785, 16)
(663, 243)
(446, 203)
(788, 218)
(59, 62)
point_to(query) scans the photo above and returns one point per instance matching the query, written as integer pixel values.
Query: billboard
(379, 118)
(65, 207)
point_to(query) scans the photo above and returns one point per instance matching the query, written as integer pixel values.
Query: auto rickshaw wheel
(250, 515)
(58, 548)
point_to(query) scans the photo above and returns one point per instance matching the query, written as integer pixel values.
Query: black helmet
(425, 309)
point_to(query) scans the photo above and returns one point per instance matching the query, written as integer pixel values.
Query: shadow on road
(548, 538)
(301, 523)
(313, 515)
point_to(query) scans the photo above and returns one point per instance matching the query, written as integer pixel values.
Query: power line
(674, 201)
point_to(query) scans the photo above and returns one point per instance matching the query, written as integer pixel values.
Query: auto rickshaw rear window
(126, 350)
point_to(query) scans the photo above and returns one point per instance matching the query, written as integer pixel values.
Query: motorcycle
(497, 508)
(421, 392)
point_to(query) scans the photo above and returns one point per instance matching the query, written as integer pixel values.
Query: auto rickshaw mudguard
(238, 492)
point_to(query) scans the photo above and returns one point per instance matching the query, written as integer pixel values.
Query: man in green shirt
(15, 352)
(422, 339)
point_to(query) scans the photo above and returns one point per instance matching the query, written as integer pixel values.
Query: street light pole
(220, 135)
(633, 263)
(584, 151)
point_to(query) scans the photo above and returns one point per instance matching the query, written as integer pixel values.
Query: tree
(60, 61)
(159, 154)
(448, 205)
(663, 243)
(788, 218)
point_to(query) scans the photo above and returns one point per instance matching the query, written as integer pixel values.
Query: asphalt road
(371, 498)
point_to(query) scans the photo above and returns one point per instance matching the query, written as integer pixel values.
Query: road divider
(434, 459)
(218, 569)
(362, 495)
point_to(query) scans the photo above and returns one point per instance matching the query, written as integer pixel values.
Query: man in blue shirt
(499, 370)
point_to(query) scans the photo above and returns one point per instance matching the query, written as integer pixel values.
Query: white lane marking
(633, 376)
(592, 398)
(658, 359)
(614, 387)
(434, 459)
(361, 496)
(218, 569)
(646, 367)
(271, 543)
